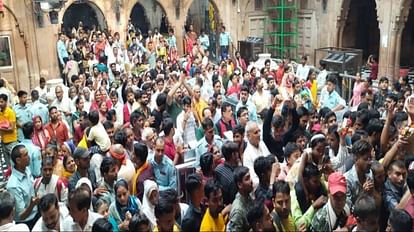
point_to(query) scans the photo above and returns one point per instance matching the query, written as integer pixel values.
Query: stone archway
(205, 15)
(200, 12)
(359, 26)
(87, 12)
(143, 21)
(16, 69)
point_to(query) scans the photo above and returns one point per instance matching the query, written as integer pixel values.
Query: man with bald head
(198, 103)
(63, 104)
(255, 149)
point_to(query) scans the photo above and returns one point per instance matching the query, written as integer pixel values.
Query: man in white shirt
(81, 218)
(260, 98)
(118, 107)
(49, 182)
(321, 78)
(7, 208)
(302, 70)
(53, 214)
(3, 89)
(63, 104)
(186, 122)
(42, 89)
(255, 148)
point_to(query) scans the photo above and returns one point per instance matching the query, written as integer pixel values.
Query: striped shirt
(225, 176)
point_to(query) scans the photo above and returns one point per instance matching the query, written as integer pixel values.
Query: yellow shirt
(210, 224)
(198, 108)
(10, 116)
(314, 92)
(175, 229)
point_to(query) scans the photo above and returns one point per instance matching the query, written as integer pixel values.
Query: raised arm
(267, 124)
(302, 165)
(391, 153)
(186, 86)
(170, 95)
(385, 130)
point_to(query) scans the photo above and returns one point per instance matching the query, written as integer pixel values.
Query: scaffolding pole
(281, 38)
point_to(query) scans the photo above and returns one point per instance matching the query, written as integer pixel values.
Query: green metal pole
(282, 33)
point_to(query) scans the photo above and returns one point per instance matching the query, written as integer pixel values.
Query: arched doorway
(407, 40)
(204, 15)
(15, 65)
(361, 29)
(144, 22)
(87, 13)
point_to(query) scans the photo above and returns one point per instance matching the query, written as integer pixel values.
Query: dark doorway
(89, 14)
(361, 29)
(139, 18)
(407, 41)
(205, 15)
(156, 18)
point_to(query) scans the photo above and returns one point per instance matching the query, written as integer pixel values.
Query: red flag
(1, 6)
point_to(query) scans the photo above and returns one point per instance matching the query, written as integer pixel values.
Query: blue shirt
(203, 147)
(225, 39)
(250, 107)
(204, 41)
(392, 195)
(40, 109)
(172, 42)
(165, 173)
(62, 52)
(23, 115)
(20, 185)
(35, 157)
(331, 100)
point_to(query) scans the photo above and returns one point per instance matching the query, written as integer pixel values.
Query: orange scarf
(120, 157)
(137, 174)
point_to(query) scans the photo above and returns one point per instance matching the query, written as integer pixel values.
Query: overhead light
(45, 7)
(51, 7)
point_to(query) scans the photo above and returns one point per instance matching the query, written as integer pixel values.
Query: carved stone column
(399, 27)
(341, 22)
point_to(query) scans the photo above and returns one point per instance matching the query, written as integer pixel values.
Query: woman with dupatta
(69, 168)
(124, 206)
(41, 136)
(151, 197)
(143, 170)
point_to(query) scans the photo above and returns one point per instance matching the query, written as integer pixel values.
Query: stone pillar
(400, 29)
(387, 39)
(341, 22)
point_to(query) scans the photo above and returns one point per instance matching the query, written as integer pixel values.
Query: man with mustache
(281, 215)
(52, 214)
(213, 219)
(395, 186)
(333, 215)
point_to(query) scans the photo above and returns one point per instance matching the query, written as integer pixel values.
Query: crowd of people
(270, 149)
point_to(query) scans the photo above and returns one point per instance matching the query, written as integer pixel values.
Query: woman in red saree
(41, 136)
(190, 39)
(100, 95)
